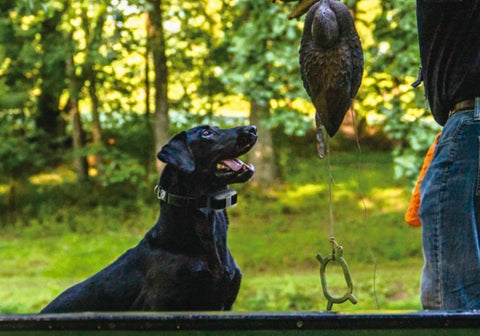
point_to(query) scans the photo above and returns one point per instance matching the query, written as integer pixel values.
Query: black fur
(183, 262)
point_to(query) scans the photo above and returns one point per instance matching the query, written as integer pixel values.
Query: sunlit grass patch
(387, 199)
(46, 179)
(4, 188)
(305, 190)
(58, 176)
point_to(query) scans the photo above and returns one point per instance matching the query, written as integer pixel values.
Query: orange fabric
(411, 216)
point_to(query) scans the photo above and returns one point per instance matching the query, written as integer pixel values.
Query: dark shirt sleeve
(449, 41)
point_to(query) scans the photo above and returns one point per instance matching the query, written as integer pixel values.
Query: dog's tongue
(234, 164)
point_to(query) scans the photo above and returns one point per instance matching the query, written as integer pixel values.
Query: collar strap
(219, 200)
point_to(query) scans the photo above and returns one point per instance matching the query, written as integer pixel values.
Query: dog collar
(219, 200)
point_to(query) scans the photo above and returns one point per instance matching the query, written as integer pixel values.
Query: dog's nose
(247, 135)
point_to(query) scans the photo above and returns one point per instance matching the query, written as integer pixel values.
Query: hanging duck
(331, 62)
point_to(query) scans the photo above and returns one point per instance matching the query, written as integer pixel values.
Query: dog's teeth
(222, 166)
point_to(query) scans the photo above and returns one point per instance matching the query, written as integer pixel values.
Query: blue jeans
(449, 211)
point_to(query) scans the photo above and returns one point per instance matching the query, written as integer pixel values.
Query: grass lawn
(274, 235)
(396, 288)
(294, 290)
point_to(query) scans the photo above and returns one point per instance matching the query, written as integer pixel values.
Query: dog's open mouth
(234, 165)
(234, 169)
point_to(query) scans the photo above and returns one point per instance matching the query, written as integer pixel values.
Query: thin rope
(330, 192)
(364, 205)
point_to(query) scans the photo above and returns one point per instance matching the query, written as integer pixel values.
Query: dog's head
(211, 154)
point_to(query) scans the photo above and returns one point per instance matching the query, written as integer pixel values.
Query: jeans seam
(438, 255)
(445, 179)
(459, 128)
(477, 187)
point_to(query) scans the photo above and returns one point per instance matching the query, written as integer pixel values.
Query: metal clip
(336, 256)
(160, 193)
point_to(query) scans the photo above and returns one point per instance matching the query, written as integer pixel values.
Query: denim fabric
(449, 212)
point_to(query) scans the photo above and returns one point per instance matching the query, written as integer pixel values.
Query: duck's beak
(301, 8)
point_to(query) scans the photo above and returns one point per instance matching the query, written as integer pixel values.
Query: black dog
(183, 262)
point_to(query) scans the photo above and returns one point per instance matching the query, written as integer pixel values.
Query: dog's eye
(206, 133)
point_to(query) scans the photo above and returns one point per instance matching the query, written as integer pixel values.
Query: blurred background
(90, 90)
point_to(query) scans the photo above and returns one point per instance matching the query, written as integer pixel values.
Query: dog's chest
(183, 282)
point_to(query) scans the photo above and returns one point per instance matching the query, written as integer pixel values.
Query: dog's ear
(177, 153)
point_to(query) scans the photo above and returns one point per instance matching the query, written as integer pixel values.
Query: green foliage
(196, 53)
(290, 122)
(129, 152)
(391, 66)
(217, 51)
(414, 138)
(19, 152)
(263, 63)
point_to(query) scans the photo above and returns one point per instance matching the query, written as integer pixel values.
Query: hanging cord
(337, 252)
(364, 205)
(331, 182)
(330, 195)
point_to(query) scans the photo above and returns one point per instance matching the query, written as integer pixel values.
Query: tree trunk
(94, 35)
(147, 163)
(96, 125)
(147, 70)
(52, 75)
(78, 138)
(262, 155)
(79, 161)
(156, 39)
